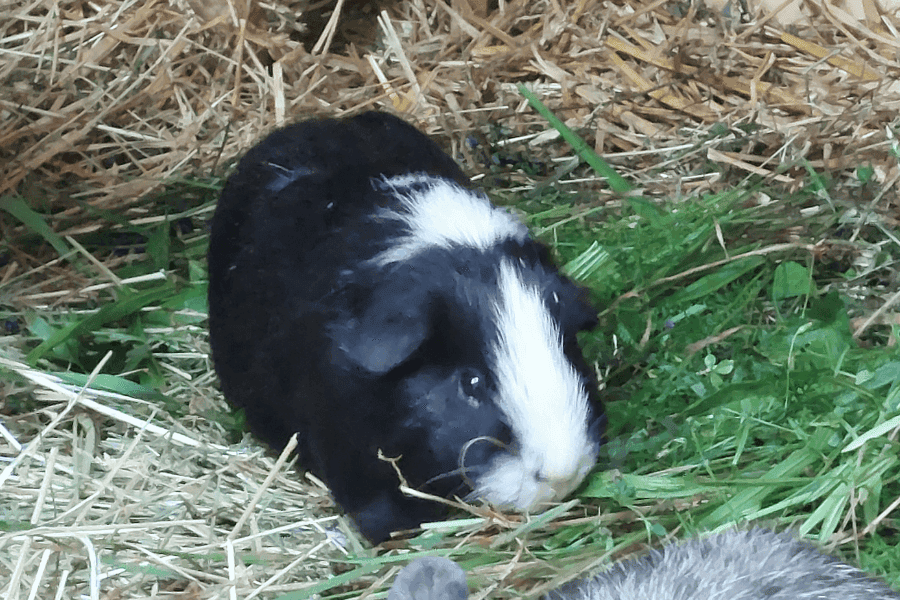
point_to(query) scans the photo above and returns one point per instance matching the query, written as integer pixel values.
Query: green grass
(734, 387)
(738, 378)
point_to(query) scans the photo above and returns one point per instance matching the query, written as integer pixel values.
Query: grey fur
(430, 578)
(756, 564)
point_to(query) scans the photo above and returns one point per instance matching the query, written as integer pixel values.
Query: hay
(102, 103)
(122, 503)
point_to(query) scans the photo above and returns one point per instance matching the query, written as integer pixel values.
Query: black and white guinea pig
(363, 296)
(757, 564)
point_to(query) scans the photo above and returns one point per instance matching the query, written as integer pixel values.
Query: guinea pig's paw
(388, 511)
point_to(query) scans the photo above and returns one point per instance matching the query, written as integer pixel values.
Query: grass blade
(17, 207)
(110, 312)
(618, 184)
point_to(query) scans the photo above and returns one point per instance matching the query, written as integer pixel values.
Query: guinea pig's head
(475, 328)
(542, 386)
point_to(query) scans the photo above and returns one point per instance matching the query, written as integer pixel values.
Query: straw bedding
(103, 102)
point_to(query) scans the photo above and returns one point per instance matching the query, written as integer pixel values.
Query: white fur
(539, 392)
(543, 398)
(440, 213)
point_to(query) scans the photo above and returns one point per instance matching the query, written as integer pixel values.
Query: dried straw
(104, 102)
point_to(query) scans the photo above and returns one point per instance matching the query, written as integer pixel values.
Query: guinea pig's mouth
(514, 481)
(509, 479)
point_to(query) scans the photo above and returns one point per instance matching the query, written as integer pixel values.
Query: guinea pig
(364, 296)
(430, 578)
(757, 564)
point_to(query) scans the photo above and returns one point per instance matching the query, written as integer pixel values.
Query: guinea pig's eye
(471, 385)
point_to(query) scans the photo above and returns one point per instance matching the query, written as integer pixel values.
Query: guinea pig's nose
(554, 480)
(553, 488)
(561, 480)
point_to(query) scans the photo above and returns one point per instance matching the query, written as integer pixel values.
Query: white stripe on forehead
(440, 213)
(538, 388)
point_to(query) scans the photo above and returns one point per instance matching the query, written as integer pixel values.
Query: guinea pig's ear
(570, 304)
(391, 328)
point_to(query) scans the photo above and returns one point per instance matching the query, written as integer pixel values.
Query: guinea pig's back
(309, 180)
(756, 564)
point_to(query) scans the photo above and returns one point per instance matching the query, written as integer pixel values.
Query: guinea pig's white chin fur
(514, 482)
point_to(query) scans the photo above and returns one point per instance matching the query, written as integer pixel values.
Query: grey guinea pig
(362, 295)
(430, 578)
(755, 564)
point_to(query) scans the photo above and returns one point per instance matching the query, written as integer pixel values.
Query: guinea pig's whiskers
(444, 475)
(465, 449)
